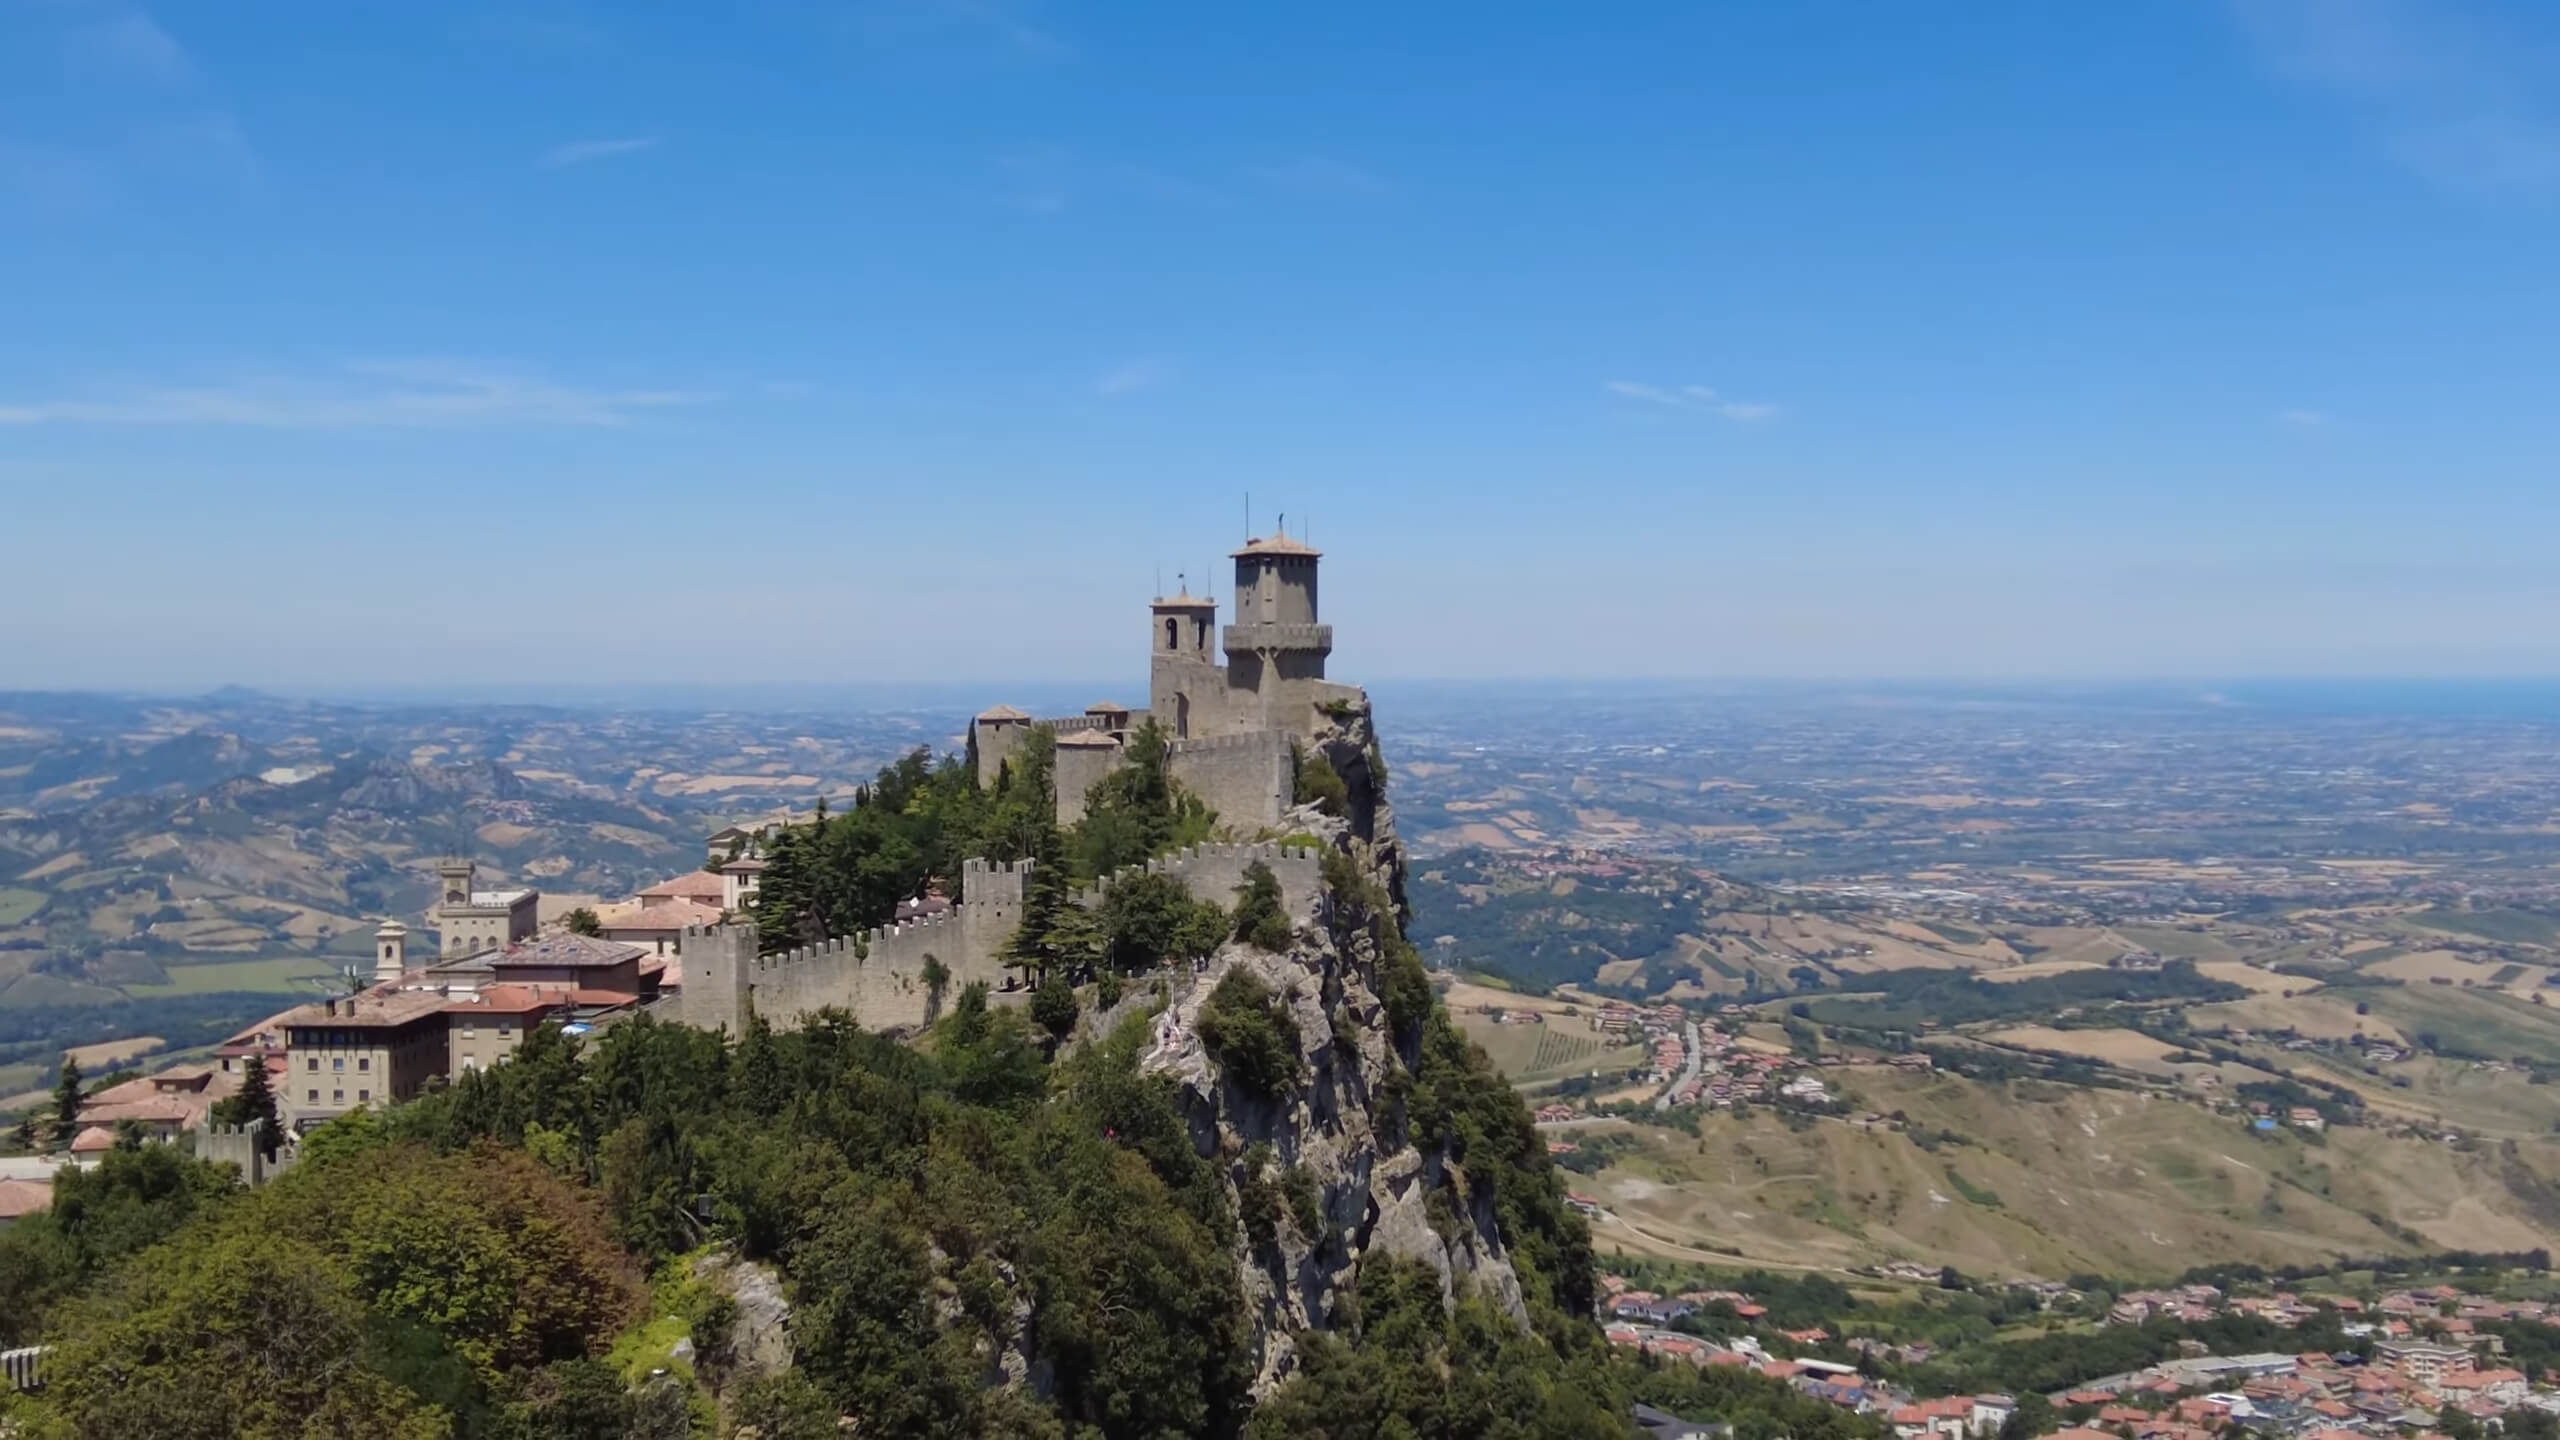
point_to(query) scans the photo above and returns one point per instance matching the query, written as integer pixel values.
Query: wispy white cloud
(580, 152)
(412, 394)
(2451, 95)
(1699, 398)
(1134, 376)
(147, 115)
(2304, 419)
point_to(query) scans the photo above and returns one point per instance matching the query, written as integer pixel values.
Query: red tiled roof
(503, 1000)
(691, 885)
(159, 1108)
(368, 1011)
(97, 1139)
(665, 915)
(22, 1198)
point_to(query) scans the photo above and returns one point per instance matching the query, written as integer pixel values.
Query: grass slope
(2054, 1179)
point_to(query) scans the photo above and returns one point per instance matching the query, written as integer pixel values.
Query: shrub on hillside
(1246, 1027)
(1261, 920)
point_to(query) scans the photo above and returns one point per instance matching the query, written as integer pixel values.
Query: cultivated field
(284, 973)
(2264, 982)
(107, 1054)
(2320, 1015)
(2116, 1047)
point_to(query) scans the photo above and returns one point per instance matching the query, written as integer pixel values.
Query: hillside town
(2422, 1363)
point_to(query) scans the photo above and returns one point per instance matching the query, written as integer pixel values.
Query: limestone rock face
(1341, 1131)
(760, 1341)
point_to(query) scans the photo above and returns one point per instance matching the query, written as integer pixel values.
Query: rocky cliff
(1325, 1171)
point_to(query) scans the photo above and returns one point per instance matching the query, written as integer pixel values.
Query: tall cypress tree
(255, 1105)
(66, 1102)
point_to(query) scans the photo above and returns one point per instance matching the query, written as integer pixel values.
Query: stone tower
(390, 951)
(1183, 669)
(454, 882)
(1276, 648)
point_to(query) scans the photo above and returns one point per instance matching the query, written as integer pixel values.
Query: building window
(313, 1064)
(364, 1062)
(468, 1032)
(311, 1095)
(364, 1095)
(337, 1062)
(337, 1097)
(505, 1030)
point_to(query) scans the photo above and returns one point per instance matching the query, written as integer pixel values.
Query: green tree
(1138, 810)
(242, 1333)
(583, 921)
(1053, 1006)
(1148, 919)
(66, 1103)
(788, 1406)
(1319, 784)
(1246, 1027)
(254, 1106)
(1261, 920)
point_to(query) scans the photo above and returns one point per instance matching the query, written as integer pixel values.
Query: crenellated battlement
(879, 974)
(237, 1145)
(1245, 740)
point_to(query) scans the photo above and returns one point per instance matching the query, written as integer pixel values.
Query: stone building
(1233, 723)
(371, 1049)
(469, 919)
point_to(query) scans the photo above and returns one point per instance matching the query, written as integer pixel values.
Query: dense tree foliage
(131, 1200)
(1247, 1029)
(381, 1290)
(1904, 999)
(1403, 1365)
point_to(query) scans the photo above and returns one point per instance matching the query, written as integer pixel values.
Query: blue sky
(346, 347)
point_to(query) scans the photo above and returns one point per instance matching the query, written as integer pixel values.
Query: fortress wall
(1067, 723)
(1248, 779)
(1078, 767)
(879, 976)
(1215, 872)
(1190, 696)
(238, 1145)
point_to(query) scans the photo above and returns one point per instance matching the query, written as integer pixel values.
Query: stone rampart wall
(1248, 779)
(1216, 872)
(238, 1145)
(879, 976)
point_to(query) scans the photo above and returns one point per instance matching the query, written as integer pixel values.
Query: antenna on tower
(1159, 579)
(1248, 514)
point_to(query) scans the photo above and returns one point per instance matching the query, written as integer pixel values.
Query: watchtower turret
(1276, 649)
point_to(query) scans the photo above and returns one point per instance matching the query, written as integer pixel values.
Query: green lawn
(281, 973)
(19, 906)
